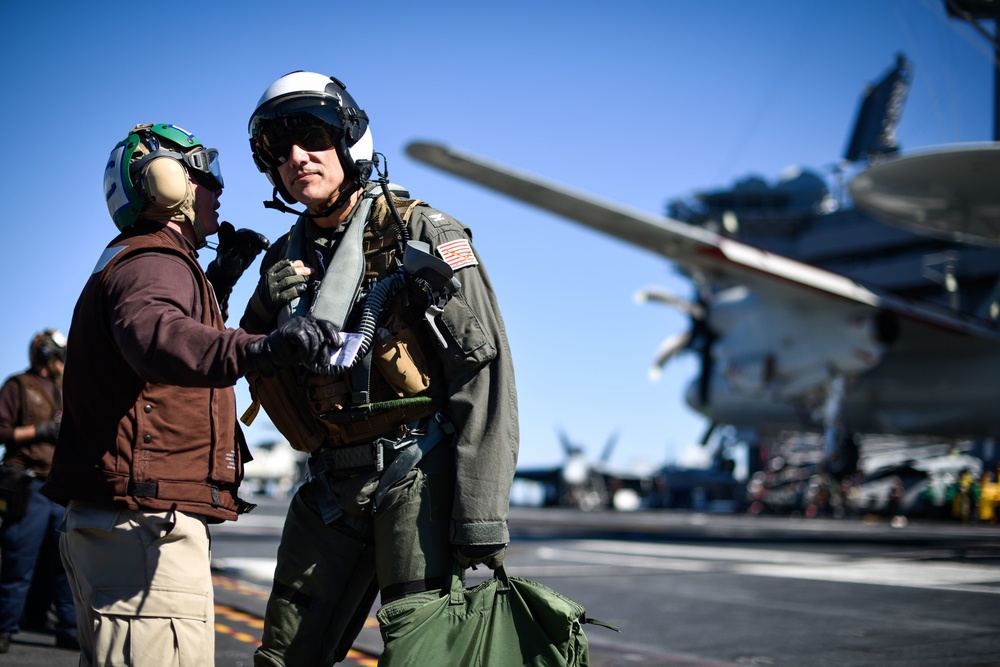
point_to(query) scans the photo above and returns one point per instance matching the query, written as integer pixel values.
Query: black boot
(68, 640)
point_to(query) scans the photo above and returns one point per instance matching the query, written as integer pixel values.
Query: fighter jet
(809, 315)
(581, 483)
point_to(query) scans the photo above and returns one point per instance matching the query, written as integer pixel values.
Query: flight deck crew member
(30, 413)
(149, 450)
(414, 443)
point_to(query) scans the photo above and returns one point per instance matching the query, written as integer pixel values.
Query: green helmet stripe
(119, 191)
(177, 135)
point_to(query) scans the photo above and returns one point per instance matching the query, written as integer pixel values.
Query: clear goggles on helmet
(312, 127)
(203, 163)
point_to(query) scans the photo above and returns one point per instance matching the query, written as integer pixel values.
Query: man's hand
(471, 555)
(236, 251)
(300, 340)
(47, 432)
(279, 285)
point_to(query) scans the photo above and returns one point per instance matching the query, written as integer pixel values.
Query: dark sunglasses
(275, 137)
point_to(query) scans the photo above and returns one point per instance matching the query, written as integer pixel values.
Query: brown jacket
(26, 399)
(149, 417)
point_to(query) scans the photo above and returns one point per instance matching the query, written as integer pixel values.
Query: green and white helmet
(147, 176)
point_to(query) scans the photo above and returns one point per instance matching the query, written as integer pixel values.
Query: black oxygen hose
(371, 314)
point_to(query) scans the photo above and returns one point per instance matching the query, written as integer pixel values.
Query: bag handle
(457, 595)
(457, 586)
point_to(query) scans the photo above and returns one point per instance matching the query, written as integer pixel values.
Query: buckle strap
(409, 456)
(152, 490)
(365, 455)
(143, 489)
(243, 507)
(381, 452)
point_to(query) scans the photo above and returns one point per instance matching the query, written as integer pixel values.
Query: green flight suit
(328, 572)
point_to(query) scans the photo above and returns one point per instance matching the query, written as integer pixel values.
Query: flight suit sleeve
(481, 392)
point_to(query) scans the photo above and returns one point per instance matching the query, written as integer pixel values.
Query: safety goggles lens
(205, 167)
(276, 137)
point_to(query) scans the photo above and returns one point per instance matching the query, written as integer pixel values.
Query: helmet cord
(382, 169)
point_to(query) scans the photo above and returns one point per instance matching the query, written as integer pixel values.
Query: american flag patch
(458, 254)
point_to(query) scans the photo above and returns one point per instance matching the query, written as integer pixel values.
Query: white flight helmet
(316, 112)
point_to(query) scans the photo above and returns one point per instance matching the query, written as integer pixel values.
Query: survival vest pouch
(502, 621)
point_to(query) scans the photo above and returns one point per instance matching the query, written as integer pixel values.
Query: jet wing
(694, 249)
(543, 475)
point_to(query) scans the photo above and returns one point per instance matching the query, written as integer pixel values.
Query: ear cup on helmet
(361, 154)
(352, 131)
(166, 182)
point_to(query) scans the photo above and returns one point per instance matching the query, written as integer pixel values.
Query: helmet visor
(306, 122)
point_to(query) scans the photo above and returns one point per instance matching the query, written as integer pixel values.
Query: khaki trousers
(142, 586)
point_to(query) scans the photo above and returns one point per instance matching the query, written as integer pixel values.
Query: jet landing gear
(841, 459)
(840, 446)
(588, 497)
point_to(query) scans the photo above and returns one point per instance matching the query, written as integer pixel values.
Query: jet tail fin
(881, 107)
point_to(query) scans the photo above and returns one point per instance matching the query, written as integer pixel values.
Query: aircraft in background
(711, 487)
(584, 484)
(918, 480)
(809, 314)
(275, 470)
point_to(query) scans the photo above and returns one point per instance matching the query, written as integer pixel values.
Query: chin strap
(279, 205)
(199, 234)
(362, 170)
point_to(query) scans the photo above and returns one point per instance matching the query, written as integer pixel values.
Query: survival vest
(112, 450)
(394, 384)
(37, 406)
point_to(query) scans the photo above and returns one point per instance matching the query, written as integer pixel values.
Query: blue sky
(634, 101)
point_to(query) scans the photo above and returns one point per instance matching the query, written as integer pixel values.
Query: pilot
(413, 445)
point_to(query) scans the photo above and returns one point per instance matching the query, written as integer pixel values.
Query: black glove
(236, 251)
(471, 555)
(277, 286)
(300, 340)
(47, 432)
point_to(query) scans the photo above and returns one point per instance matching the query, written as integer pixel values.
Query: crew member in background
(414, 443)
(30, 412)
(149, 450)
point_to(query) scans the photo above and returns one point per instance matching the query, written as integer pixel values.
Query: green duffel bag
(502, 621)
